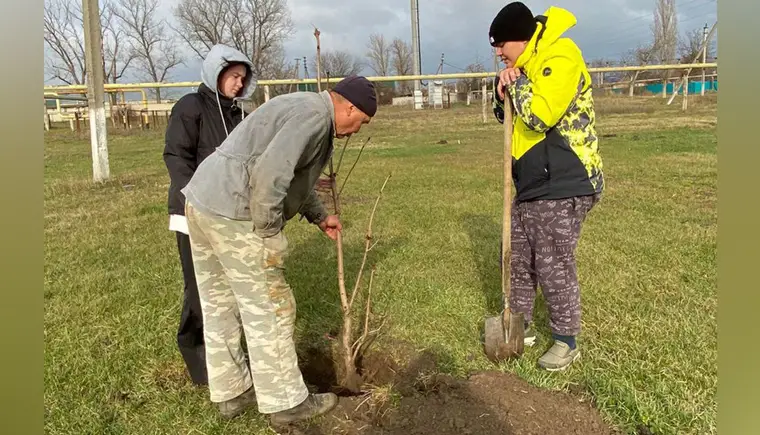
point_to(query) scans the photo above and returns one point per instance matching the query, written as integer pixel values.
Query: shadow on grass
(485, 240)
(313, 275)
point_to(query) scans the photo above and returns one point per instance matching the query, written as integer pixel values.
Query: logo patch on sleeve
(547, 71)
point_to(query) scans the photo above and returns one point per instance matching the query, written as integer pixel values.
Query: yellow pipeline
(132, 86)
(74, 89)
(57, 101)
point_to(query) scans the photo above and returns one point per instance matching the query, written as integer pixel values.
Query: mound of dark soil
(415, 399)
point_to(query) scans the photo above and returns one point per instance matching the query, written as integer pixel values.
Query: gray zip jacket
(267, 168)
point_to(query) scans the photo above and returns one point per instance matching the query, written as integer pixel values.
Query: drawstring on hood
(218, 58)
(219, 105)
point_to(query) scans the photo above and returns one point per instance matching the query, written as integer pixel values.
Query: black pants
(190, 332)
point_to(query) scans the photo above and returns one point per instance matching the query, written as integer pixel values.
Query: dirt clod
(411, 397)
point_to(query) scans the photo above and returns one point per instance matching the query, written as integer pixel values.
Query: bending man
(237, 205)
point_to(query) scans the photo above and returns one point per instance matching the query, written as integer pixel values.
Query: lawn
(647, 265)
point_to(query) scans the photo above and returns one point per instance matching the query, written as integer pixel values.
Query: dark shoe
(234, 407)
(313, 406)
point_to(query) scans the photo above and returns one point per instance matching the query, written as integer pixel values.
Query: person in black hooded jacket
(199, 122)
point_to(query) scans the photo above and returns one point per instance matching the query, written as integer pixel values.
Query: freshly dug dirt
(415, 399)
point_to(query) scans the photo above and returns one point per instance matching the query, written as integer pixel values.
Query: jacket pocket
(531, 171)
(275, 250)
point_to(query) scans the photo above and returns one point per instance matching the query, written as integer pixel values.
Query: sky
(459, 28)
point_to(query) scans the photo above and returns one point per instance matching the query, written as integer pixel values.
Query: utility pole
(495, 69)
(95, 92)
(695, 60)
(295, 76)
(416, 59)
(45, 118)
(704, 55)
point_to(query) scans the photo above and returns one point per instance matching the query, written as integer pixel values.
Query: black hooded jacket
(199, 122)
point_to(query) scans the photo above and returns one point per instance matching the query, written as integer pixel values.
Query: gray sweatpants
(544, 236)
(241, 282)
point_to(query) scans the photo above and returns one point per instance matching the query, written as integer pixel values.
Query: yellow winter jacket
(555, 149)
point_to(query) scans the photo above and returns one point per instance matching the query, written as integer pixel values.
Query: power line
(625, 25)
(624, 33)
(455, 67)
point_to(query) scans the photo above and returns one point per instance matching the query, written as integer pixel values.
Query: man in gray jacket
(237, 204)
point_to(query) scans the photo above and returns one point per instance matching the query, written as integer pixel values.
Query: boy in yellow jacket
(556, 166)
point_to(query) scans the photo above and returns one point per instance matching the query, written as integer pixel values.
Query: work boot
(313, 406)
(559, 356)
(234, 407)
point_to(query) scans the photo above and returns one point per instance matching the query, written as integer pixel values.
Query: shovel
(505, 334)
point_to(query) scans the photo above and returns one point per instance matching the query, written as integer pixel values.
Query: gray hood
(217, 59)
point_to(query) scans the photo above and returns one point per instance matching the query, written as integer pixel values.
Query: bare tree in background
(401, 54)
(117, 54)
(689, 47)
(466, 85)
(271, 27)
(155, 51)
(665, 31)
(379, 54)
(64, 36)
(204, 23)
(258, 28)
(641, 55)
(338, 64)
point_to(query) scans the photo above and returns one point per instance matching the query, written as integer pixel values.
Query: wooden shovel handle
(506, 228)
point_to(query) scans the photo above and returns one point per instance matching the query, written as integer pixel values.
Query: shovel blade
(494, 337)
(503, 343)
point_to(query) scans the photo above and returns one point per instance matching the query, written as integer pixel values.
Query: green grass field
(647, 265)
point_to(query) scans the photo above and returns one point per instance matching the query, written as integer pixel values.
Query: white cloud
(459, 28)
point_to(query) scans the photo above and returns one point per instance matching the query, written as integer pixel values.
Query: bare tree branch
(349, 350)
(117, 55)
(257, 28)
(665, 31)
(352, 350)
(689, 47)
(155, 51)
(353, 166)
(363, 338)
(64, 36)
(379, 54)
(202, 23)
(342, 153)
(338, 64)
(401, 53)
(367, 241)
(471, 84)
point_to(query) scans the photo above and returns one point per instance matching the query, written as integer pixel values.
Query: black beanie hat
(360, 92)
(514, 22)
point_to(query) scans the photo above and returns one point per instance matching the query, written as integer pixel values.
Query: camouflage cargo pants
(241, 282)
(544, 236)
